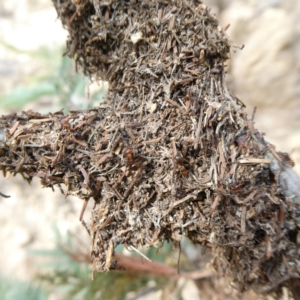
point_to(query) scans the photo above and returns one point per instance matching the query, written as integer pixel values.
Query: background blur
(35, 222)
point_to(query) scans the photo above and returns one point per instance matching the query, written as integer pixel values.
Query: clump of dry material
(171, 152)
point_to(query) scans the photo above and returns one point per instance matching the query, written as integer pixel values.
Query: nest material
(171, 152)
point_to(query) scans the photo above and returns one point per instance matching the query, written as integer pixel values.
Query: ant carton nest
(171, 152)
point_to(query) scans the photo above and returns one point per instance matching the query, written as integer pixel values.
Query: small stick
(151, 142)
(140, 253)
(4, 196)
(20, 164)
(178, 262)
(94, 131)
(188, 197)
(117, 193)
(216, 202)
(254, 161)
(247, 199)
(37, 121)
(85, 175)
(132, 183)
(173, 103)
(103, 225)
(174, 148)
(129, 132)
(14, 128)
(86, 200)
(243, 219)
(253, 114)
(86, 227)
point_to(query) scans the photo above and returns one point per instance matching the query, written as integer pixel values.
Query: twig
(140, 253)
(83, 208)
(3, 195)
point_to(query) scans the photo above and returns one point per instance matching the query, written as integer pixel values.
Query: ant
(180, 163)
(240, 142)
(134, 162)
(67, 125)
(241, 185)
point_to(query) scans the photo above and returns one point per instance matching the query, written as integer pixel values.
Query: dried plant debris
(171, 153)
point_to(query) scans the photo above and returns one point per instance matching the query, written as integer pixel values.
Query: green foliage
(57, 80)
(78, 285)
(72, 280)
(19, 290)
(161, 255)
(23, 95)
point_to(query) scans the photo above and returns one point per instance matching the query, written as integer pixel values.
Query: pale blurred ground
(266, 74)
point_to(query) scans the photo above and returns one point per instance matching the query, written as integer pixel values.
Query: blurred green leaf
(160, 255)
(72, 279)
(22, 95)
(56, 78)
(19, 290)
